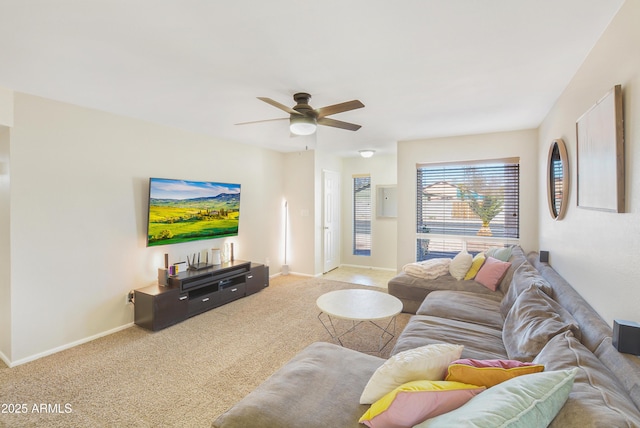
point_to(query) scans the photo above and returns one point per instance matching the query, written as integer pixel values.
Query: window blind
(362, 215)
(470, 199)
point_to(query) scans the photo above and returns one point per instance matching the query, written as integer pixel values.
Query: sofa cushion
(412, 290)
(489, 372)
(479, 341)
(492, 272)
(597, 399)
(464, 306)
(523, 277)
(516, 259)
(423, 363)
(522, 402)
(318, 388)
(532, 321)
(413, 402)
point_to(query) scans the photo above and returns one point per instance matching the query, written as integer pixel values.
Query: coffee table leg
(331, 328)
(386, 333)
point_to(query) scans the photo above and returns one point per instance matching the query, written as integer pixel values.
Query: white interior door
(331, 220)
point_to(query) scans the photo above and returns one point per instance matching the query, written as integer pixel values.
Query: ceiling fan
(303, 118)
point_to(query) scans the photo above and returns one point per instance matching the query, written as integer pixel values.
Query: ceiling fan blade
(338, 124)
(338, 108)
(260, 121)
(278, 105)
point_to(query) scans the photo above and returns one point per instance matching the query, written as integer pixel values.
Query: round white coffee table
(359, 306)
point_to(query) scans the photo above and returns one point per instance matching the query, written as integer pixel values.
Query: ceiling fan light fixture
(367, 153)
(302, 125)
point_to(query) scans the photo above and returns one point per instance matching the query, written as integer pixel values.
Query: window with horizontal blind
(362, 215)
(471, 205)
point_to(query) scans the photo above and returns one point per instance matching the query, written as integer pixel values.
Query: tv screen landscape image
(183, 211)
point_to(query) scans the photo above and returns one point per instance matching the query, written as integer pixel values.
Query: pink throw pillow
(492, 272)
(416, 401)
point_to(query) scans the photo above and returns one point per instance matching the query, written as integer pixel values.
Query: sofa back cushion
(594, 328)
(517, 258)
(597, 399)
(532, 321)
(596, 333)
(524, 276)
(625, 367)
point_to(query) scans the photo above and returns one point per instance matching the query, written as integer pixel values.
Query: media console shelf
(193, 292)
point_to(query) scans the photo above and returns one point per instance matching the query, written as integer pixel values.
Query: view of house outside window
(362, 215)
(467, 206)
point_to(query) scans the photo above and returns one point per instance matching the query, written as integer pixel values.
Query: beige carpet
(183, 376)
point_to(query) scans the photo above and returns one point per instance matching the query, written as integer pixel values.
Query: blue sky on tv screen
(161, 188)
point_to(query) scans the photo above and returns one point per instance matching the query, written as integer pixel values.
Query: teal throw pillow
(527, 401)
(500, 253)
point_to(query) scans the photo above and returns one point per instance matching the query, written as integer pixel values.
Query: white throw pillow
(460, 265)
(428, 362)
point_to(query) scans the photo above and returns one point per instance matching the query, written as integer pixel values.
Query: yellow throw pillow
(489, 372)
(476, 264)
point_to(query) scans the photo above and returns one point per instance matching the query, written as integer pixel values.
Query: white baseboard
(63, 347)
(301, 274)
(293, 273)
(369, 267)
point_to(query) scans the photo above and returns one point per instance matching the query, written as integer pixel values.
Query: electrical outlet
(130, 297)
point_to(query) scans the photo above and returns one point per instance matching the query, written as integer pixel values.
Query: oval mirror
(557, 179)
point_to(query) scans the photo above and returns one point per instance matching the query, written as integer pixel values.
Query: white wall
(382, 169)
(79, 189)
(597, 252)
(6, 107)
(300, 190)
(522, 144)
(5, 248)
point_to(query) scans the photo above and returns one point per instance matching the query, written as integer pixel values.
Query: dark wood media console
(193, 292)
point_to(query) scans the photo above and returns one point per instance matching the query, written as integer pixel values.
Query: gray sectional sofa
(534, 315)
(412, 290)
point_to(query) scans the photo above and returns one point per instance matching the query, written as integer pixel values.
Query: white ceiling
(423, 68)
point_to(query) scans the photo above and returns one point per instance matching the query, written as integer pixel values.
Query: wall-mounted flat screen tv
(183, 211)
